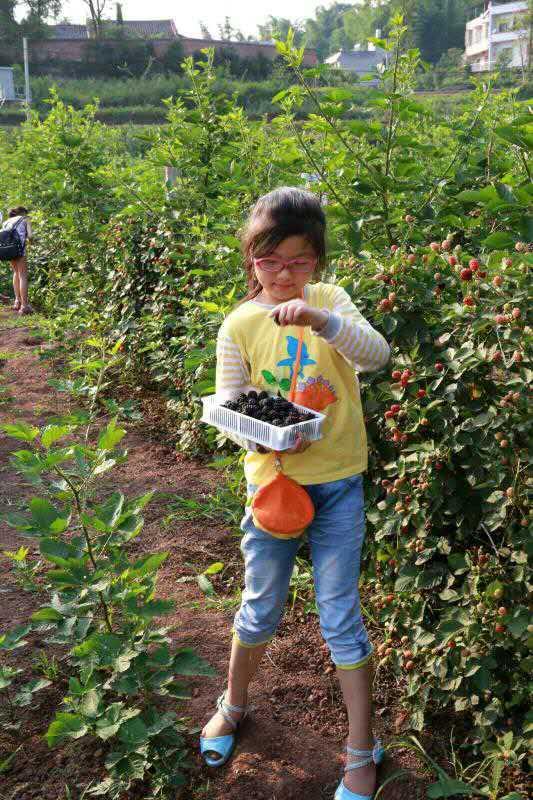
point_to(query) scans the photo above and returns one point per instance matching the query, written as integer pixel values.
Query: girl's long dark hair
(283, 212)
(18, 211)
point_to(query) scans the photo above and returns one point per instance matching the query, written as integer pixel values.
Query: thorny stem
(79, 509)
(103, 370)
(317, 167)
(389, 138)
(437, 181)
(526, 165)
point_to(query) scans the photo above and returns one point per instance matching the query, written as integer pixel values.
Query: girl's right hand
(299, 447)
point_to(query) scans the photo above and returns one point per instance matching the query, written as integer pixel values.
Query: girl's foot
(26, 310)
(16, 305)
(218, 726)
(362, 780)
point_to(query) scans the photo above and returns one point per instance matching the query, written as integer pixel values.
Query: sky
(244, 14)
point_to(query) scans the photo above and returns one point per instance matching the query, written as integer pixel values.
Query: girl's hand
(298, 312)
(299, 447)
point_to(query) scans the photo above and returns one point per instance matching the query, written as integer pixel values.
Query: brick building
(69, 42)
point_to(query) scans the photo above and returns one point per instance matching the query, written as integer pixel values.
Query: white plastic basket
(270, 436)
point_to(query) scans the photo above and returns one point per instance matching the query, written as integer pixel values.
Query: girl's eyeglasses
(274, 264)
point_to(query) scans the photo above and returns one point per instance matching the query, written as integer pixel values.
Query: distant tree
(278, 27)
(42, 9)
(438, 25)
(361, 21)
(96, 10)
(205, 31)
(226, 31)
(319, 31)
(7, 18)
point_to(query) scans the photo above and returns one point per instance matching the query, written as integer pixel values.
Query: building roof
(144, 29)
(148, 29)
(65, 31)
(357, 60)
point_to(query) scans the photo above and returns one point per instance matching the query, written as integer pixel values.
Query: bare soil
(291, 746)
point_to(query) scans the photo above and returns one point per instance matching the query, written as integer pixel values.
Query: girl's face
(288, 283)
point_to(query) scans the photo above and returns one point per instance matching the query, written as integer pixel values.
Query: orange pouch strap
(282, 507)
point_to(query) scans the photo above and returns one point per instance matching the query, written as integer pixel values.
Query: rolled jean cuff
(248, 644)
(364, 661)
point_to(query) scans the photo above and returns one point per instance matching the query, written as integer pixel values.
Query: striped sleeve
(232, 376)
(353, 336)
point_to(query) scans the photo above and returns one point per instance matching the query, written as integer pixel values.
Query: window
(477, 35)
(469, 38)
(503, 27)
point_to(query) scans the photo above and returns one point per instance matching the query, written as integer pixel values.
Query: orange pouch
(282, 507)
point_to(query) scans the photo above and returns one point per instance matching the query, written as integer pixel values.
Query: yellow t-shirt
(253, 351)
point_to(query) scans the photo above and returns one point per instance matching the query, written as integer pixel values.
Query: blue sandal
(376, 755)
(223, 745)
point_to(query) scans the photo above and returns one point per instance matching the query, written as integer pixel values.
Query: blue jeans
(335, 537)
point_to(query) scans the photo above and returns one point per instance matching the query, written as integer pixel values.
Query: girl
(284, 247)
(18, 219)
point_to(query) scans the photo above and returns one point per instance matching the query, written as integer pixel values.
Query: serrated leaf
(187, 662)
(52, 433)
(65, 726)
(21, 430)
(449, 787)
(212, 569)
(205, 585)
(111, 436)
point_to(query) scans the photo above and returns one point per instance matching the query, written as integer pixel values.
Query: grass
(16, 321)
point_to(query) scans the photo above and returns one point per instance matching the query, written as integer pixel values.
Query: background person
(19, 220)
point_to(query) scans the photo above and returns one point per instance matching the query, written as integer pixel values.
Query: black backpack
(10, 244)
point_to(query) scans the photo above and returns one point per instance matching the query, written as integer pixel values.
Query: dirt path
(290, 748)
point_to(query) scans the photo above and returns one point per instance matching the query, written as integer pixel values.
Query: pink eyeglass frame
(283, 262)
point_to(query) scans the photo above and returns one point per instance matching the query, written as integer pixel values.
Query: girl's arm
(29, 230)
(232, 378)
(353, 336)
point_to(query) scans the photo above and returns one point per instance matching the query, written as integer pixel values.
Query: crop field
(120, 511)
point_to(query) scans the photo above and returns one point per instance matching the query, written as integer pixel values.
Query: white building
(499, 30)
(360, 62)
(7, 84)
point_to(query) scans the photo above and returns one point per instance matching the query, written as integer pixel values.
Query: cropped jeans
(335, 537)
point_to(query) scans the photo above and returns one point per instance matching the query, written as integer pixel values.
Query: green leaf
(47, 614)
(110, 511)
(21, 430)
(499, 241)
(212, 569)
(268, 377)
(449, 787)
(44, 514)
(133, 732)
(520, 619)
(285, 384)
(148, 564)
(58, 551)
(52, 433)
(111, 436)
(186, 662)
(205, 585)
(6, 763)
(65, 726)
(151, 608)
(14, 638)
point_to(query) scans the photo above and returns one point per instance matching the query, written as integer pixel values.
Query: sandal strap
(358, 764)
(353, 752)
(368, 756)
(224, 709)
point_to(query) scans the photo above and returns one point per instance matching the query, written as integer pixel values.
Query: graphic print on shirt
(315, 393)
(292, 350)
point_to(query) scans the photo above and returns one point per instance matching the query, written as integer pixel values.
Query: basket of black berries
(269, 420)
